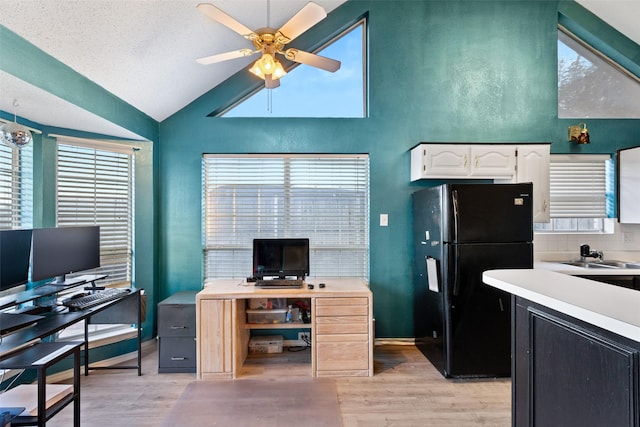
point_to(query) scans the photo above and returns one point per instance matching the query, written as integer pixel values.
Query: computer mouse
(309, 286)
(321, 285)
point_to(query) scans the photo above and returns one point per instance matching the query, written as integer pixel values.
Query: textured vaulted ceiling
(144, 51)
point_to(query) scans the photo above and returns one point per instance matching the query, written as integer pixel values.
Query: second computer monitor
(56, 252)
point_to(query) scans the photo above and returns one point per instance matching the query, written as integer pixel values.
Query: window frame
(101, 334)
(110, 171)
(583, 212)
(362, 22)
(16, 187)
(241, 200)
(596, 111)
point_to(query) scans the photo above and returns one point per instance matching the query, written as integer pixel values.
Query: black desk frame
(91, 319)
(25, 360)
(55, 322)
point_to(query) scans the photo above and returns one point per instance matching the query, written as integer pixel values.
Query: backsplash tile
(623, 244)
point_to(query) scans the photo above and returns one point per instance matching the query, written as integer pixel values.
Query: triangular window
(590, 85)
(310, 92)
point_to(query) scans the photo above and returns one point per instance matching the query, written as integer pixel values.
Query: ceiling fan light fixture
(268, 65)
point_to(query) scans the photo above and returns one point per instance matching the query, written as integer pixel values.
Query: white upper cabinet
(463, 161)
(436, 160)
(492, 160)
(629, 185)
(533, 166)
(501, 162)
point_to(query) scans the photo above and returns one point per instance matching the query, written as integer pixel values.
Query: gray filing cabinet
(177, 333)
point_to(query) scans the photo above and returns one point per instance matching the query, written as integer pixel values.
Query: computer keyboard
(279, 283)
(84, 301)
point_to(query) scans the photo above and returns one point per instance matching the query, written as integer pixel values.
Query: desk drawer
(176, 354)
(343, 355)
(342, 325)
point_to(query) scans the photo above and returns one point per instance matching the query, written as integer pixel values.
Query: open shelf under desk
(277, 365)
(291, 325)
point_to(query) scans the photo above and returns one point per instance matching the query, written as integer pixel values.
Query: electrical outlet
(304, 336)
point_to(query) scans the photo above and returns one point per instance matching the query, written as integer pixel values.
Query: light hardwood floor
(405, 391)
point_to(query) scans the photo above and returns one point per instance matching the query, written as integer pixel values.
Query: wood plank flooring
(405, 391)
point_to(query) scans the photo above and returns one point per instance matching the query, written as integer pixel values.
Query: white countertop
(559, 267)
(613, 308)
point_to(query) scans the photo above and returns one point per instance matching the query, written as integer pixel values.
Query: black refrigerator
(461, 230)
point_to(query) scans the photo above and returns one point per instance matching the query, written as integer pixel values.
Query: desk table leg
(76, 387)
(42, 397)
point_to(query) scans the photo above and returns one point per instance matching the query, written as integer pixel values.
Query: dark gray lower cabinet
(177, 333)
(566, 372)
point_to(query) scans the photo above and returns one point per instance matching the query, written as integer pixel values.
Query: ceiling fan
(270, 42)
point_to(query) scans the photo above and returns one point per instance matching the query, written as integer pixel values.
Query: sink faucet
(586, 252)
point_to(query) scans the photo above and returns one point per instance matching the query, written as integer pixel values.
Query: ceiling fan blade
(306, 18)
(225, 19)
(225, 56)
(312, 59)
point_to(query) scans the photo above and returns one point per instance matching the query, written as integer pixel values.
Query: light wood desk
(341, 326)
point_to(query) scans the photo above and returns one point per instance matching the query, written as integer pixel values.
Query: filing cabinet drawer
(176, 320)
(177, 315)
(176, 354)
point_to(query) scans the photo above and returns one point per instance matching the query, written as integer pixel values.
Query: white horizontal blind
(324, 198)
(578, 185)
(16, 187)
(95, 187)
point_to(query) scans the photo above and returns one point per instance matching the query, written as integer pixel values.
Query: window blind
(322, 197)
(579, 186)
(16, 187)
(95, 187)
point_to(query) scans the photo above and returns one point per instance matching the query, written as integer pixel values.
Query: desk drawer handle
(178, 358)
(178, 327)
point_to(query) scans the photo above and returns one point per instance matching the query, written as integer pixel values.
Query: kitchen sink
(589, 264)
(603, 264)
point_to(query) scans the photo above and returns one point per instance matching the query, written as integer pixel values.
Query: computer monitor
(56, 252)
(15, 248)
(280, 258)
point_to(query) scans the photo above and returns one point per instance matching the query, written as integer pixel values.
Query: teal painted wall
(446, 71)
(482, 71)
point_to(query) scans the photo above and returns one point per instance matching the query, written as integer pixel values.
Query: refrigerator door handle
(456, 281)
(454, 200)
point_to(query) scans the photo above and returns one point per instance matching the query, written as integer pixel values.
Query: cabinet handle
(466, 161)
(178, 327)
(476, 160)
(544, 205)
(178, 358)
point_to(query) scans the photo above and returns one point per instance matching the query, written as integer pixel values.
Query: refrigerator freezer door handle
(456, 282)
(454, 199)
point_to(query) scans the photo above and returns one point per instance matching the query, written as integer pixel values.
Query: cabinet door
(533, 166)
(570, 373)
(215, 341)
(629, 185)
(493, 161)
(446, 160)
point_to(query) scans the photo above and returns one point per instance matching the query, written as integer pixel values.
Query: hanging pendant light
(14, 134)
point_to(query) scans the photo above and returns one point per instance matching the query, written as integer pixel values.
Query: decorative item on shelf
(14, 134)
(579, 134)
